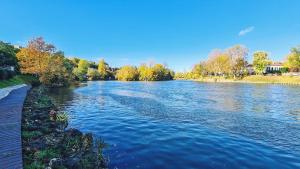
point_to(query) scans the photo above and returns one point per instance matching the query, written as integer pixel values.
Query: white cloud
(246, 30)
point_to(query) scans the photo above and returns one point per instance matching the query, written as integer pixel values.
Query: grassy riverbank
(47, 143)
(18, 79)
(255, 79)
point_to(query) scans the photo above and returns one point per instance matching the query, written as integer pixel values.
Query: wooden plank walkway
(10, 129)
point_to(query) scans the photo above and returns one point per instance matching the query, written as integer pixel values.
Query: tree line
(232, 63)
(42, 60)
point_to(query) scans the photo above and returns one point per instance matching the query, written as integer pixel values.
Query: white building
(274, 67)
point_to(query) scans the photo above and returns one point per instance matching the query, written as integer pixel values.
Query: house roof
(277, 64)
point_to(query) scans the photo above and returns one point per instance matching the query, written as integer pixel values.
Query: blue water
(184, 124)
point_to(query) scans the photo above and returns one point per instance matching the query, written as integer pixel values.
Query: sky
(178, 33)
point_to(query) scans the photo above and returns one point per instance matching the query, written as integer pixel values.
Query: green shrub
(28, 135)
(62, 117)
(35, 165)
(46, 155)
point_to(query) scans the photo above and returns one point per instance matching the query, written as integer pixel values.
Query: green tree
(260, 61)
(127, 73)
(75, 61)
(83, 66)
(103, 69)
(7, 58)
(93, 74)
(81, 71)
(293, 60)
(8, 55)
(56, 72)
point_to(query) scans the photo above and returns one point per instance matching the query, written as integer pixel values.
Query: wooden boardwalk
(10, 129)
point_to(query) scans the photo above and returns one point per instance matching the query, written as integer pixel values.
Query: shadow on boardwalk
(10, 129)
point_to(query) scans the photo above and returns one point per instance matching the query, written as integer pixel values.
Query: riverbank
(46, 141)
(288, 80)
(19, 79)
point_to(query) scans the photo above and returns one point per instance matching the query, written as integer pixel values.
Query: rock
(56, 163)
(87, 142)
(72, 141)
(73, 133)
(53, 139)
(52, 115)
(73, 162)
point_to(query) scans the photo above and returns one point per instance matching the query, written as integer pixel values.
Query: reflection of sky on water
(267, 114)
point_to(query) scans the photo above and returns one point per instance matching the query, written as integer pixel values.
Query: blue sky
(177, 32)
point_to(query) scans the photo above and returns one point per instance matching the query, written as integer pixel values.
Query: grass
(18, 79)
(273, 79)
(255, 79)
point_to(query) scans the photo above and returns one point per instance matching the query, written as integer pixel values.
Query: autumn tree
(155, 73)
(199, 70)
(93, 74)
(103, 69)
(293, 60)
(127, 73)
(34, 58)
(260, 61)
(57, 72)
(237, 55)
(218, 63)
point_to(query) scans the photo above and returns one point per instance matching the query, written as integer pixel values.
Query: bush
(6, 74)
(62, 117)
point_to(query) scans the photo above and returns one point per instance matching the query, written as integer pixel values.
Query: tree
(35, 57)
(83, 66)
(75, 61)
(80, 72)
(56, 73)
(7, 58)
(260, 61)
(103, 69)
(293, 60)
(127, 73)
(218, 63)
(145, 72)
(155, 73)
(7, 55)
(237, 55)
(93, 74)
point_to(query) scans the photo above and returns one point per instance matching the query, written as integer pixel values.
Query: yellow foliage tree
(127, 73)
(35, 57)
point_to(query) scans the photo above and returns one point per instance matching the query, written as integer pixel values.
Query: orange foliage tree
(34, 58)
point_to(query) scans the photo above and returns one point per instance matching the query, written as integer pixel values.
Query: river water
(185, 124)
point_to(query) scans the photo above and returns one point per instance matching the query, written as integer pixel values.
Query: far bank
(260, 79)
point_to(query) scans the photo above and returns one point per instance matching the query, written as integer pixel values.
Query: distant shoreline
(253, 79)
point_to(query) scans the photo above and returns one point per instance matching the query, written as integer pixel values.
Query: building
(274, 67)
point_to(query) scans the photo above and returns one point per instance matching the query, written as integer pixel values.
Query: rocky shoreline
(46, 142)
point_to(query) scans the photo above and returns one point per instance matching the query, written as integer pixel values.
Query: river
(186, 124)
